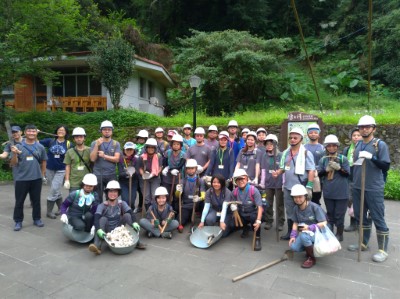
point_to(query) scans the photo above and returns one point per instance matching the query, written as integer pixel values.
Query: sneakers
(166, 235)
(380, 256)
(38, 223)
(18, 226)
(268, 226)
(93, 248)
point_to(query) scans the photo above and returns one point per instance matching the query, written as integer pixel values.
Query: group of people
(225, 178)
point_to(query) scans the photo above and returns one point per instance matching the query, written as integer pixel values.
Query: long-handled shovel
(361, 161)
(276, 199)
(254, 239)
(144, 198)
(171, 194)
(180, 227)
(287, 256)
(131, 171)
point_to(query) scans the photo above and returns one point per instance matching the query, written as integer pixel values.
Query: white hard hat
(113, 185)
(106, 124)
(366, 120)
(78, 131)
(298, 190)
(172, 133)
(297, 131)
(187, 126)
(177, 138)
(245, 130)
(130, 145)
(331, 139)
(261, 130)
(272, 137)
(161, 191)
(143, 134)
(191, 163)
(213, 128)
(313, 127)
(90, 179)
(233, 123)
(239, 172)
(159, 130)
(199, 130)
(151, 142)
(223, 134)
(252, 133)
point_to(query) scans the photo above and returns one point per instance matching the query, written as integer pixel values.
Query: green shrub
(392, 188)
(5, 171)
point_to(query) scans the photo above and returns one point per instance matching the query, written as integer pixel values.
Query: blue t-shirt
(55, 152)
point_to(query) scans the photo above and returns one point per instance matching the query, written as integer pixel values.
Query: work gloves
(174, 172)
(365, 154)
(64, 218)
(136, 227)
(156, 223)
(67, 185)
(165, 171)
(101, 234)
(334, 165)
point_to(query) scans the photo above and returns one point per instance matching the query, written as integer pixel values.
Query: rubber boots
(50, 206)
(364, 245)
(58, 203)
(339, 233)
(257, 246)
(383, 239)
(310, 261)
(290, 225)
(353, 225)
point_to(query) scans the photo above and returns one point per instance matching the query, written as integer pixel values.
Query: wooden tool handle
(258, 269)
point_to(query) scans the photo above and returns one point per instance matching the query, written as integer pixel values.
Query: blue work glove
(136, 226)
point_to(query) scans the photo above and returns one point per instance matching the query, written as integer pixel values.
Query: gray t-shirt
(291, 178)
(312, 214)
(191, 187)
(217, 201)
(337, 188)
(250, 198)
(317, 150)
(211, 144)
(113, 213)
(374, 176)
(248, 161)
(202, 154)
(29, 162)
(101, 166)
(269, 164)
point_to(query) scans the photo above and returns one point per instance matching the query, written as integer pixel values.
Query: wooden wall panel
(23, 94)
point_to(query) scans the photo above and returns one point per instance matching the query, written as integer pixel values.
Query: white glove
(233, 207)
(44, 180)
(365, 154)
(334, 165)
(174, 172)
(147, 175)
(199, 169)
(179, 188)
(328, 168)
(309, 193)
(255, 181)
(92, 231)
(67, 185)
(64, 218)
(165, 171)
(196, 198)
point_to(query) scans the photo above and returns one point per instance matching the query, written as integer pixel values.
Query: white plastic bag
(325, 242)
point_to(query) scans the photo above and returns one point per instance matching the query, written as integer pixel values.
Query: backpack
(236, 191)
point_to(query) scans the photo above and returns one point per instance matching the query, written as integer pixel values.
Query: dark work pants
(82, 224)
(316, 197)
(336, 210)
(248, 221)
(22, 189)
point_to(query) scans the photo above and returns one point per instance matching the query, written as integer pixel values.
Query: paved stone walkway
(42, 263)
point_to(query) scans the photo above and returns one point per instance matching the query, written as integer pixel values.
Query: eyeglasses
(364, 127)
(294, 138)
(240, 178)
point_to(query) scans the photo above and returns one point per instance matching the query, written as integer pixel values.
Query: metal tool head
(9, 132)
(131, 170)
(360, 161)
(288, 255)
(206, 236)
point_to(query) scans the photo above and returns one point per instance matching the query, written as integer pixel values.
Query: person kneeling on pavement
(111, 214)
(79, 207)
(159, 221)
(250, 207)
(307, 216)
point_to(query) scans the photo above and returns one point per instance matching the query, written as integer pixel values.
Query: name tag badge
(218, 214)
(80, 167)
(220, 166)
(287, 167)
(244, 166)
(57, 156)
(29, 158)
(190, 196)
(271, 171)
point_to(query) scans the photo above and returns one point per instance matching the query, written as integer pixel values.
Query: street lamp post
(194, 84)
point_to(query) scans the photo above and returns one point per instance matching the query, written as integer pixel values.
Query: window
(142, 87)
(150, 89)
(76, 85)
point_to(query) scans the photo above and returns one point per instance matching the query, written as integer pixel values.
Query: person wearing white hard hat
(174, 163)
(80, 205)
(160, 218)
(222, 160)
(162, 145)
(298, 165)
(55, 168)
(251, 207)
(200, 152)
(249, 159)
(307, 216)
(261, 134)
(127, 166)
(77, 161)
(149, 166)
(334, 170)
(212, 135)
(191, 189)
(244, 133)
(105, 153)
(273, 186)
(141, 138)
(375, 153)
(188, 141)
(111, 214)
(318, 151)
(234, 142)
(348, 151)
